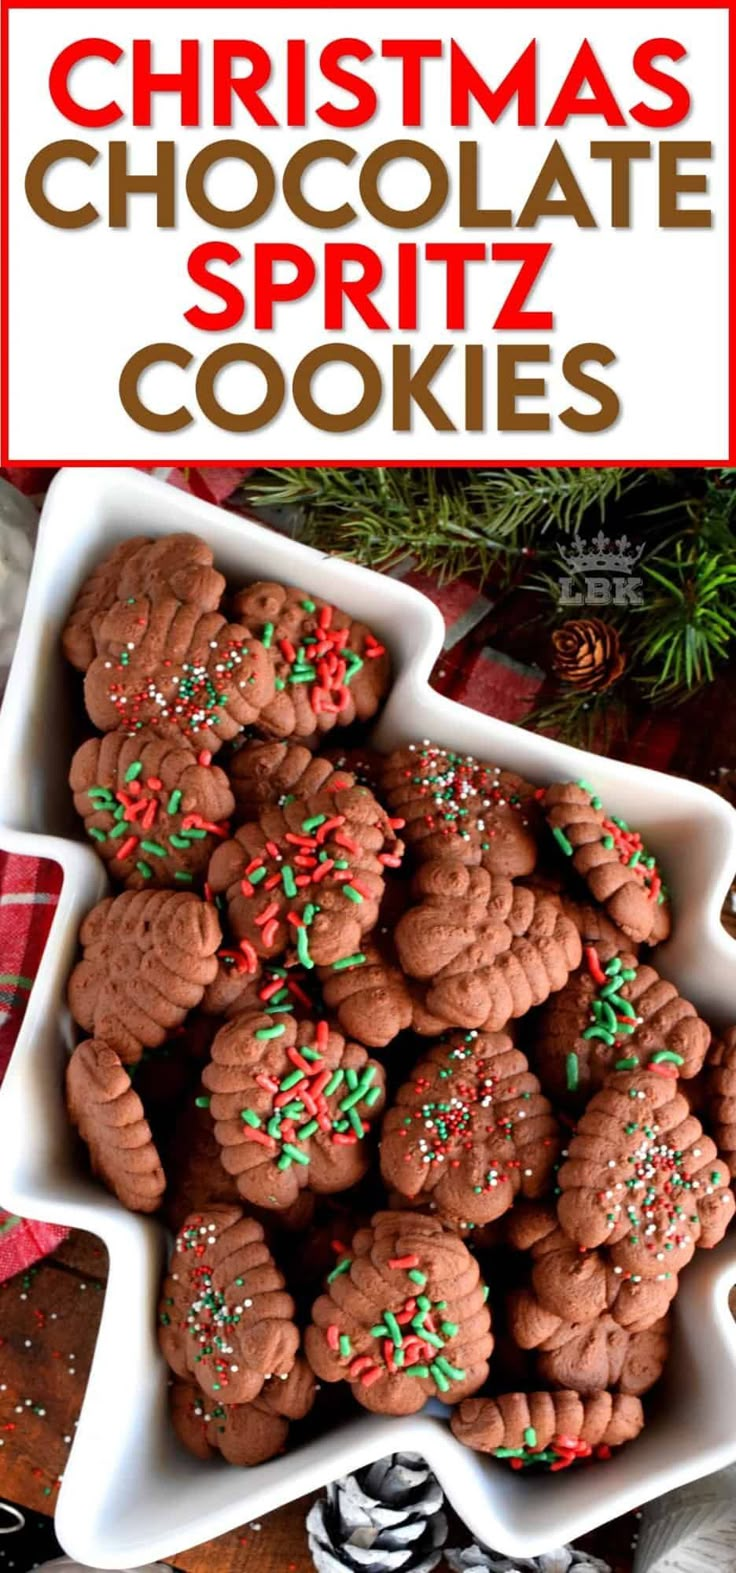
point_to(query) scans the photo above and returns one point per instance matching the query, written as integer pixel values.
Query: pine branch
(690, 619)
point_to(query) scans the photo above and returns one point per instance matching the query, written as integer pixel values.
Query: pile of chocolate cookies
(381, 1038)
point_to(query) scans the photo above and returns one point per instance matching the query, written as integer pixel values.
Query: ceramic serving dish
(130, 1493)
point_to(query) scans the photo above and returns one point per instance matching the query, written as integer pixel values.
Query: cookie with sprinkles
(548, 1430)
(309, 874)
(331, 670)
(225, 1319)
(642, 1177)
(152, 806)
(570, 1284)
(107, 1112)
(720, 1086)
(608, 1011)
(486, 950)
(404, 1317)
(244, 983)
(368, 992)
(588, 1356)
(177, 565)
(147, 957)
(456, 806)
(294, 1107)
(470, 1129)
(244, 1434)
(618, 869)
(184, 672)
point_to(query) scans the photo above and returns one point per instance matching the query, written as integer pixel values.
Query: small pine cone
(316, 1137)
(486, 950)
(640, 1126)
(265, 770)
(721, 1096)
(579, 1037)
(588, 1356)
(109, 1115)
(244, 1434)
(309, 873)
(175, 565)
(184, 672)
(457, 807)
(470, 1130)
(225, 1319)
(548, 1430)
(570, 1285)
(612, 859)
(331, 669)
(586, 654)
(141, 797)
(147, 959)
(365, 1332)
(371, 998)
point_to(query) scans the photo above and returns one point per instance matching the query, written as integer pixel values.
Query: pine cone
(639, 1126)
(225, 1319)
(385, 1517)
(182, 671)
(456, 806)
(147, 958)
(486, 950)
(587, 655)
(314, 1137)
(607, 1012)
(588, 1356)
(721, 1096)
(470, 1130)
(331, 670)
(154, 808)
(561, 1559)
(309, 873)
(264, 771)
(551, 1430)
(244, 1434)
(372, 1313)
(175, 565)
(578, 1286)
(109, 1115)
(612, 859)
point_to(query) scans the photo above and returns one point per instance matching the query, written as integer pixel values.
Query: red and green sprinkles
(612, 1017)
(652, 1191)
(300, 1108)
(143, 816)
(198, 699)
(460, 791)
(627, 844)
(410, 1340)
(322, 660)
(559, 1454)
(208, 1317)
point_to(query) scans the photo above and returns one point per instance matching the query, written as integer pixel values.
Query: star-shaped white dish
(130, 1493)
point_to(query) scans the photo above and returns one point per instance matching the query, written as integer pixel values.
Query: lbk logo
(600, 573)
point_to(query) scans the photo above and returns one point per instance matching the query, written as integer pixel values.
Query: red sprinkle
(404, 1261)
(594, 966)
(333, 1336)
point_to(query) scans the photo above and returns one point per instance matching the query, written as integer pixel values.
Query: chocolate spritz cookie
(106, 1110)
(225, 1320)
(485, 949)
(330, 669)
(570, 1284)
(308, 874)
(720, 1084)
(642, 1177)
(471, 1130)
(548, 1430)
(175, 565)
(264, 770)
(404, 1318)
(293, 1106)
(154, 808)
(184, 672)
(458, 807)
(244, 1434)
(617, 868)
(147, 959)
(588, 1356)
(609, 1012)
(370, 997)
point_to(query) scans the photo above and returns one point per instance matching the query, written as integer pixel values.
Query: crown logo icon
(600, 554)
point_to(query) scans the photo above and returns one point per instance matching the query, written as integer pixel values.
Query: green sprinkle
(351, 893)
(293, 1110)
(715, 1178)
(182, 843)
(293, 1152)
(572, 1068)
(183, 876)
(249, 1117)
(417, 1370)
(508, 1452)
(194, 834)
(309, 606)
(144, 870)
(372, 1096)
(393, 1328)
(284, 1162)
(453, 1371)
(486, 1292)
(120, 829)
(155, 849)
(634, 859)
(598, 1032)
(203, 1102)
(334, 1082)
(267, 635)
(274, 1032)
(172, 807)
(302, 949)
(349, 961)
(97, 835)
(346, 1347)
(351, 1077)
(356, 1123)
(450, 1328)
(343, 1266)
(433, 1338)
(530, 1437)
(379, 1331)
(293, 1076)
(628, 1064)
(307, 1130)
(562, 841)
(439, 1377)
(287, 878)
(667, 1057)
(417, 1277)
(133, 771)
(274, 1127)
(314, 823)
(307, 1053)
(608, 842)
(279, 683)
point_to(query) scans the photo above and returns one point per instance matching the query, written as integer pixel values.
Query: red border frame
(6, 6)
